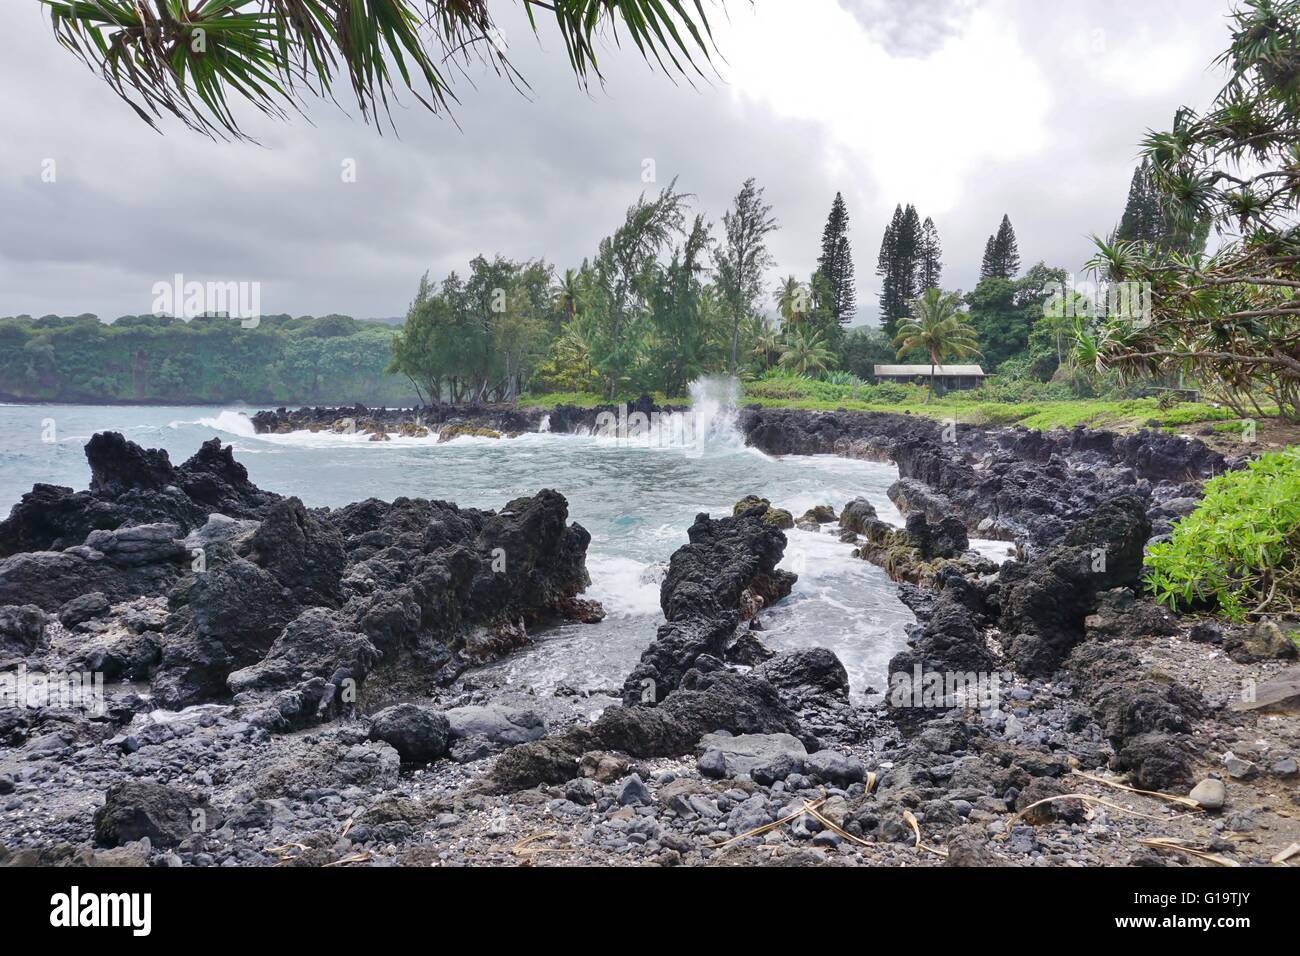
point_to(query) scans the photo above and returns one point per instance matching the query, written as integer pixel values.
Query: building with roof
(949, 376)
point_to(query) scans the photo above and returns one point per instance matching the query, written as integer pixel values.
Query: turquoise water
(636, 498)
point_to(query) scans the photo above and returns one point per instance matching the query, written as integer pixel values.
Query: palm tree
(568, 293)
(572, 351)
(793, 299)
(806, 356)
(940, 327)
(766, 344)
(187, 58)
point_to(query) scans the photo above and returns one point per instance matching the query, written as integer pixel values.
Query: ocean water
(636, 495)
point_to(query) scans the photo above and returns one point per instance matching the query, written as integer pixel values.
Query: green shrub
(1008, 389)
(842, 378)
(782, 386)
(1239, 550)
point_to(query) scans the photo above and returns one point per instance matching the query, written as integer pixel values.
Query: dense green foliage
(662, 302)
(151, 358)
(1146, 220)
(1001, 253)
(938, 328)
(931, 257)
(1005, 313)
(899, 266)
(835, 265)
(1239, 551)
(478, 337)
(741, 258)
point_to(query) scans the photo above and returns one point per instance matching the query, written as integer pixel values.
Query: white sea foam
(623, 586)
(228, 421)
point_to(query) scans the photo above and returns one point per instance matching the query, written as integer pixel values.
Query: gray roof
(925, 370)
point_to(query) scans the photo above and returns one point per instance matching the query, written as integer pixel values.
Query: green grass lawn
(1041, 415)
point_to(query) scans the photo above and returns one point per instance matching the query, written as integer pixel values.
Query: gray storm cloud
(547, 174)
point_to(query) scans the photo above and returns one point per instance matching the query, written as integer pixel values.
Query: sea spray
(710, 422)
(230, 422)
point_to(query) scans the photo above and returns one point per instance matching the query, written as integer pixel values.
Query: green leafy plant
(804, 355)
(190, 59)
(938, 327)
(1239, 551)
(842, 378)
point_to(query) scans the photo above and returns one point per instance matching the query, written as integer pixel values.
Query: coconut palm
(190, 59)
(568, 293)
(766, 344)
(806, 355)
(793, 299)
(939, 327)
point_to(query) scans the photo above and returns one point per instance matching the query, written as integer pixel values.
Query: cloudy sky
(966, 108)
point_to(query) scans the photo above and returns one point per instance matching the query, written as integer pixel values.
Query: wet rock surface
(310, 697)
(1009, 483)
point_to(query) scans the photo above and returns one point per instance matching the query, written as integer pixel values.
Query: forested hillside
(149, 358)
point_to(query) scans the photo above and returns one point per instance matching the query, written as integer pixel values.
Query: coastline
(655, 783)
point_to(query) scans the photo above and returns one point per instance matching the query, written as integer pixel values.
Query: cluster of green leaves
(1239, 551)
(1011, 321)
(779, 385)
(190, 60)
(477, 338)
(662, 303)
(150, 358)
(939, 328)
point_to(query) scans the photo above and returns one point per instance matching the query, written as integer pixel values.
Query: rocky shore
(447, 421)
(297, 686)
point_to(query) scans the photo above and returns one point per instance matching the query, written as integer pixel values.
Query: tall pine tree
(1142, 219)
(1001, 254)
(836, 264)
(1145, 219)
(931, 256)
(899, 267)
(909, 254)
(890, 300)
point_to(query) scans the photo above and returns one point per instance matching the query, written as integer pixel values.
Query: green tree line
(150, 358)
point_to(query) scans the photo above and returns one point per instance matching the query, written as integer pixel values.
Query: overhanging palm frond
(196, 59)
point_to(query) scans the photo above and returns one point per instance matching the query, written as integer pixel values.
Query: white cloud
(967, 109)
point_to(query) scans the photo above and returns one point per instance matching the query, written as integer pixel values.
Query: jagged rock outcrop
(130, 485)
(226, 616)
(805, 677)
(436, 588)
(923, 680)
(703, 596)
(123, 535)
(121, 564)
(314, 644)
(285, 606)
(1009, 483)
(705, 703)
(1146, 720)
(1044, 602)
